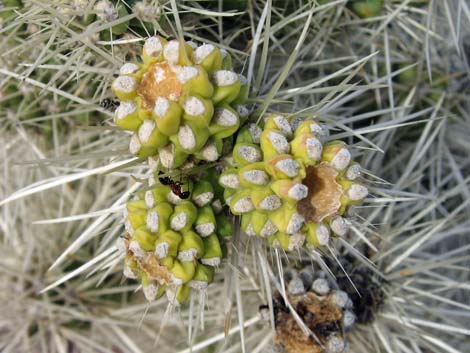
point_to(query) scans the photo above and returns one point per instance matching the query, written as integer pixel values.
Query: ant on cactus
(176, 186)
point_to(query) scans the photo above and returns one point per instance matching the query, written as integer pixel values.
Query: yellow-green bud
(167, 244)
(208, 56)
(149, 287)
(249, 134)
(125, 87)
(135, 220)
(181, 296)
(226, 86)
(307, 148)
(311, 126)
(212, 251)
(246, 153)
(226, 60)
(262, 225)
(289, 190)
(177, 53)
(199, 84)
(153, 50)
(136, 205)
(167, 115)
(202, 277)
(246, 224)
(273, 143)
(284, 167)
(150, 136)
(183, 217)
(229, 179)
(158, 218)
(156, 195)
(287, 219)
(203, 193)
(126, 116)
(190, 137)
(205, 223)
(198, 109)
(145, 239)
(253, 175)
(243, 93)
(191, 247)
(182, 271)
(225, 122)
(264, 199)
(336, 153)
(172, 157)
(353, 194)
(137, 149)
(211, 151)
(318, 234)
(280, 123)
(241, 202)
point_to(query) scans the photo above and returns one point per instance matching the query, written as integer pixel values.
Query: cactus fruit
(172, 244)
(183, 100)
(289, 185)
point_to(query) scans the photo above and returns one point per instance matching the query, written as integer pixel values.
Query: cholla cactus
(182, 101)
(173, 244)
(289, 185)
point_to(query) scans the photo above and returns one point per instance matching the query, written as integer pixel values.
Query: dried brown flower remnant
(324, 196)
(321, 314)
(159, 81)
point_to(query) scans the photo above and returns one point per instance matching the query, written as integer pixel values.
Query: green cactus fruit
(191, 247)
(212, 251)
(202, 277)
(173, 242)
(183, 217)
(205, 223)
(182, 101)
(289, 185)
(203, 193)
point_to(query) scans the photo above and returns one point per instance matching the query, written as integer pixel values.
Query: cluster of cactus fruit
(173, 244)
(290, 186)
(184, 106)
(182, 101)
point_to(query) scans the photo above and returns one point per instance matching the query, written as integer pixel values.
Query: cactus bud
(167, 244)
(126, 116)
(273, 143)
(226, 86)
(212, 251)
(203, 193)
(205, 223)
(191, 247)
(183, 217)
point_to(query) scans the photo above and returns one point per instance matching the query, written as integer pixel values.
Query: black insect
(164, 180)
(109, 104)
(175, 186)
